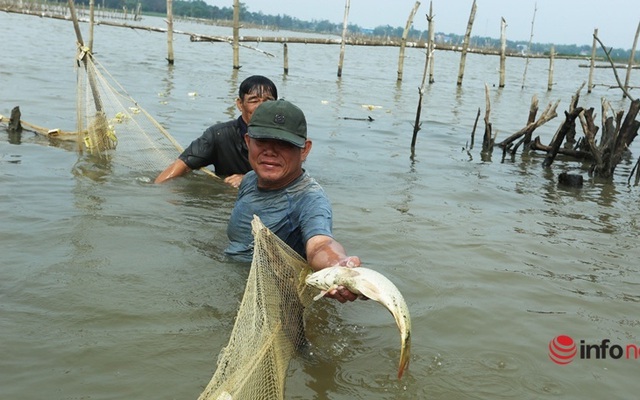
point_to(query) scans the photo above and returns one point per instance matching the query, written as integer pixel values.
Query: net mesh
(269, 326)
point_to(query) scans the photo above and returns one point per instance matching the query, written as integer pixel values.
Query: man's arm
(175, 169)
(322, 252)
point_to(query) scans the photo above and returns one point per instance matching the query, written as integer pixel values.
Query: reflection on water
(112, 286)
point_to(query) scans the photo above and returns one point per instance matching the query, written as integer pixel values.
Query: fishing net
(108, 118)
(269, 326)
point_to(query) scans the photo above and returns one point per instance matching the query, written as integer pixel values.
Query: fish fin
(320, 295)
(323, 293)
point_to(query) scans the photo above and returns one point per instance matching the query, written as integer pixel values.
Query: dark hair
(259, 85)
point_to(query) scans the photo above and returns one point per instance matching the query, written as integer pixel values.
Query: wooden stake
(487, 140)
(404, 39)
(592, 63)
(552, 55)
(170, 58)
(473, 131)
(286, 59)
(344, 34)
(431, 47)
(236, 34)
(503, 50)
(465, 45)
(91, 25)
(526, 64)
(417, 124)
(631, 58)
(92, 80)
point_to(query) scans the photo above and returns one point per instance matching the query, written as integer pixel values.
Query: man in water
(285, 197)
(223, 144)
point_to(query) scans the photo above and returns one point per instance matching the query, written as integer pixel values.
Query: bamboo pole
(236, 34)
(593, 61)
(552, 55)
(344, 34)
(170, 58)
(526, 64)
(503, 51)
(631, 58)
(404, 39)
(465, 44)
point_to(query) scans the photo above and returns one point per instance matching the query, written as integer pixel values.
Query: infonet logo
(563, 349)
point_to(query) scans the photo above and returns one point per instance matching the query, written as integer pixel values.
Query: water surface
(113, 287)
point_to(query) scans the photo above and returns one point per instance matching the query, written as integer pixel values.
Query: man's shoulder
(223, 128)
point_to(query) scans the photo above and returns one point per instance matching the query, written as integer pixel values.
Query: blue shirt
(295, 214)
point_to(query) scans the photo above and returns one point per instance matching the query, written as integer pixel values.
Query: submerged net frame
(269, 327)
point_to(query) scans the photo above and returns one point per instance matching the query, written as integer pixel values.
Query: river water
(112, 287)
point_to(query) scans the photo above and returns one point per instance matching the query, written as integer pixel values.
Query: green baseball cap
(280, 120)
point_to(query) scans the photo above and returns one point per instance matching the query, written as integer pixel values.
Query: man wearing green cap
(285, 197)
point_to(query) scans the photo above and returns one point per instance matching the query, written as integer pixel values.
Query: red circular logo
(562, 349)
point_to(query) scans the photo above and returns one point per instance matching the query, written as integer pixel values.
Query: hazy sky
(556, 21)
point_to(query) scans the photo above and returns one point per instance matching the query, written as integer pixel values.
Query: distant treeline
(200, 9)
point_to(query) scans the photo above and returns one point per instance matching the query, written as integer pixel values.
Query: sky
(556, 21)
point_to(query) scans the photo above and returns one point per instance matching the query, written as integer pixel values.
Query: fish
(375, 286)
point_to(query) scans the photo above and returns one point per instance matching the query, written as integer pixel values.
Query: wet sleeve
(201, 151)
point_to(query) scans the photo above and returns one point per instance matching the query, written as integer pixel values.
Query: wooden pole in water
(91, 24)
(417, 125)
(593, 61)
(465, 45)
(503, 50)
(631, 60)
(344, 33)
(403, 41)
(92, 80)
(526, 64)
(170, 58)
(552, 55)
(432, 45)
(286, 59)
(487, 140)
(236, 34)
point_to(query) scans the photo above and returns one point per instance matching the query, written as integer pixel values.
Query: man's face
(250, 101)
(277, 163)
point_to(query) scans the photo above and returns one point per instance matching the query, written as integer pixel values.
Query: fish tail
(404, 359)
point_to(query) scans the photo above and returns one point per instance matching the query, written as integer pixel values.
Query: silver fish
(374, 285)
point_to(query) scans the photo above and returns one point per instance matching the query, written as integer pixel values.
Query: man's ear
(239, 104)
(306, 149)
